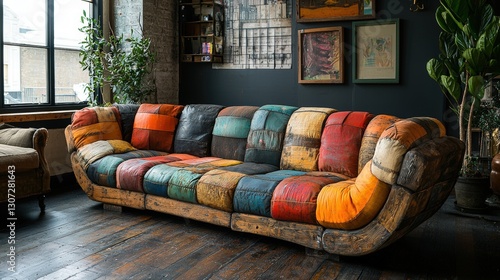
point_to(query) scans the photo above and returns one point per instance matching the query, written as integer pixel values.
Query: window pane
(26, 75)
(25, 22)
(67, 14)
(70, 78)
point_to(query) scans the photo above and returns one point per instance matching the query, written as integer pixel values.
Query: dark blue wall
(415, 95)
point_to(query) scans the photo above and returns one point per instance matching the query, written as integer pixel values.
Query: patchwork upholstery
(253, 194)
(267, 131)
(229, 136)
(353, 203)
(341, 141)
(294, 198)
(370, 138)
(127, 116)
(99, 149)
(303, 138)
(154, 126)
(397, 139)
(130, 174)
(194, 132)
(157, 178)
(89, 125)
(103, 171)
(216, 188)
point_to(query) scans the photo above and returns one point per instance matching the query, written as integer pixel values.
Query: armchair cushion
(23, 159)
(21, 137)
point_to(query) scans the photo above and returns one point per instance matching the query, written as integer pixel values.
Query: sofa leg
(322, 255)
(111, 207)
(41, 203)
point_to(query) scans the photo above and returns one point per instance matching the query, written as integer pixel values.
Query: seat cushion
(253, 193)
(194, 132)
(154, 126)
(99, 149)
(23, 159)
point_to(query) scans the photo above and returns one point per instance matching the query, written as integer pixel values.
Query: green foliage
(123, 63)
(469, 56)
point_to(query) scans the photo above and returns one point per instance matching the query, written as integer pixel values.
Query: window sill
(36, 116)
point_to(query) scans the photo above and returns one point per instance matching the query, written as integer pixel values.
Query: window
(41, 53)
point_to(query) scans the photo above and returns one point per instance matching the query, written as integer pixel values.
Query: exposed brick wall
(158, 21)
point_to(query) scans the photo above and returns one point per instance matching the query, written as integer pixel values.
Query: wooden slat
(303, 234)
(36, 116)
(188, 210)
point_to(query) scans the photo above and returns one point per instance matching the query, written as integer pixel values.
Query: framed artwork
(332, 10)
(321, 55)
(376, 51)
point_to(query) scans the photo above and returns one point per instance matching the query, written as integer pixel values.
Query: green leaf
(476, 60)
(452, 86)
(487, 40)
(476, 86)
(435, 68)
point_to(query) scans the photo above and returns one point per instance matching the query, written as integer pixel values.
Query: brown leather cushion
(22, 159)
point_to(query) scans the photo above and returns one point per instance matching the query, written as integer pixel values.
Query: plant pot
(471, 193)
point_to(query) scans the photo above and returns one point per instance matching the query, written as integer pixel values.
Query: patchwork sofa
(348, 183)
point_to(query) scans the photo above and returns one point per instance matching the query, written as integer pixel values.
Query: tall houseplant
(470, 57)
(123, 63)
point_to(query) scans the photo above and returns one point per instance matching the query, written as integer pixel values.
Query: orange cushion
(154, 126)
(352, 204)
(93, 124)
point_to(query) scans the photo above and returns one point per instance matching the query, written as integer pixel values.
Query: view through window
(40, 52)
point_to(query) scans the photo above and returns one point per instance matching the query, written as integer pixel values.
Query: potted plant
(470, 57)
(125, 64)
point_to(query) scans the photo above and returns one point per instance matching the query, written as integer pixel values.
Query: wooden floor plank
(77, 239)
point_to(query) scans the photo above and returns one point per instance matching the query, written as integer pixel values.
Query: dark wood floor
(77, 239)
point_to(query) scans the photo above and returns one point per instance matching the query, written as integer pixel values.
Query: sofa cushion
(20, 137)
(23, 159)
(303, 138)
(397, 139)
(127, 115)
(130, 173)
(93, 124)
(194, 132)
(230, 133)
(99, 149)
(157, 178)
(216, 187)
(341, 141)
(103, 171)
(253, 194)
(353, 203)
(267, 132)
(154, 126)
(370, 138)
(294, 198)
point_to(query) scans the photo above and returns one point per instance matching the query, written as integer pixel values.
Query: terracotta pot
(471, 192)
(495, 174)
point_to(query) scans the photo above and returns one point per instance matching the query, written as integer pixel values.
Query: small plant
(126, 64)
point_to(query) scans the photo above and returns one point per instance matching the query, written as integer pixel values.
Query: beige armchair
(23, 168)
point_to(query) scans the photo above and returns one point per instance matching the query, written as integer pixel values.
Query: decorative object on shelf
(332, 10)
(470, 47)
(376, 51)
(321, 55)
(201, 31)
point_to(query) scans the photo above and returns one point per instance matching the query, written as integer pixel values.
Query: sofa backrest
(229, 136)
(127, 116)
(89, 125)
(267, 132)
(194, 131)
(341, 142)
(303, 138)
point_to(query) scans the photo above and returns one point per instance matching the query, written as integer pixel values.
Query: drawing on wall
(258, 35)
(377, 52)
(321, 55)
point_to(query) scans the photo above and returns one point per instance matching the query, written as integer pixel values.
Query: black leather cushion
(127, 113)
(194, 131)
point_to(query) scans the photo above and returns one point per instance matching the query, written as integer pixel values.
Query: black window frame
(97, 12)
